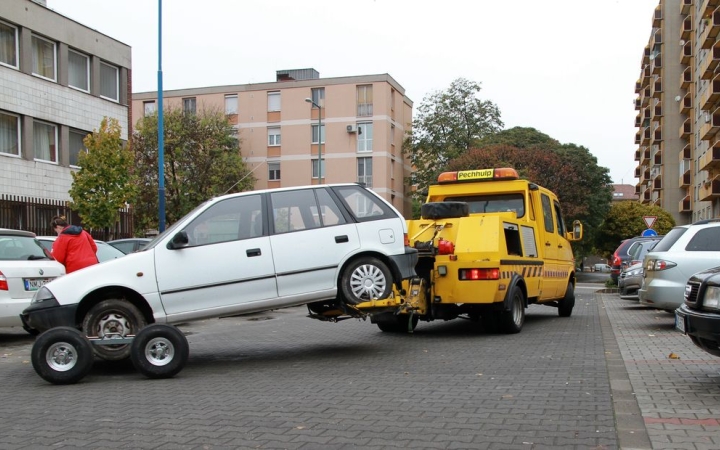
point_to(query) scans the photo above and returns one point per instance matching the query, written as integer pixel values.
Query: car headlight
(42, 295)
(711, 300)
(634, 272)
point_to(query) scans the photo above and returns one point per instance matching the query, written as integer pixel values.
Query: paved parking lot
(602, 379)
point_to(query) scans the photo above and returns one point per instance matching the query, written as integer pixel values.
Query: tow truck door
(550, 245)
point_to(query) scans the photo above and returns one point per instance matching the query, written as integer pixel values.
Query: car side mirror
(180, 240)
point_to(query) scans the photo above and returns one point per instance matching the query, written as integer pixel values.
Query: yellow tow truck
(489, 245)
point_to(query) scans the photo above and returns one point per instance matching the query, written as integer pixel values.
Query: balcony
(637, 189)
(645, 97)
(686, 32)
(646, 56)
(656, 198)
(686, 53)
(637, 158)
(707, 6)
(686, 152)
(638, 104)
(657, 136)
(646, 139)
(685, 205)
(686, 6)
(710, 125)
(644, 176)
(708, 65)
(657, 37)
(638, 86)
(710, 33)
(638, 121)
(685, 180)
(646, 196)
(710, 189)
(657, 116)
(711, 94)
(657, 64)
(638, 137)
(646, 73)
(657, 88)
(710, 161)
(686, 103)
(686, 79)
(686, 129)
(638, 168)
(657, 17)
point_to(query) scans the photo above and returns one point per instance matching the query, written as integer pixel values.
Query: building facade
(678, 106)
(359, 123)
(58, 80)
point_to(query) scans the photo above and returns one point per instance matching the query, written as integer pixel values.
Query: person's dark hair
(58, 221)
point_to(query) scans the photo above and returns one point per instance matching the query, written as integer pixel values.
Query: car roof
(10, 232)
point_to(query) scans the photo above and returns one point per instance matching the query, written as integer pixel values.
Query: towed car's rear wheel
(365, 279)
(113, 319)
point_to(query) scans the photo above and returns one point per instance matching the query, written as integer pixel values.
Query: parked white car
(240, 253)
(24, 268)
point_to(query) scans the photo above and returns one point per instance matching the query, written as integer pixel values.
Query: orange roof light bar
(504, 173)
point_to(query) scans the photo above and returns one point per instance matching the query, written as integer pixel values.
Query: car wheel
(397, 323)
(512, 321)
(159, 351)
(365, 279)
(568, 302)
(62, 355)
(113, 318)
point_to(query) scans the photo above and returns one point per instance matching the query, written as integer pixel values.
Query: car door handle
(341, 239)
(253, 252)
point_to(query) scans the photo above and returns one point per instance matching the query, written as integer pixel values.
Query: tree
(106, 181)
(202, 160)
(625, 220)
(448, 124)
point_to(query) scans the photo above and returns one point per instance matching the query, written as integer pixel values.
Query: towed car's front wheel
(365, 279)
(113, 319)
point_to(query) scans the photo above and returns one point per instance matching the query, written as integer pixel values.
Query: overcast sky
(565, 67)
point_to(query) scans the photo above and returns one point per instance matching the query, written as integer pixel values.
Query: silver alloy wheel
(368, 282)
(61, 356)
(159, 351)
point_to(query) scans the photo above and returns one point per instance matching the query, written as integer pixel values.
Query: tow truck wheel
(365, 279)
(568, 302)
(159, 351)
(110, 318)
(397, 323)
(512, 321)
(62, 355)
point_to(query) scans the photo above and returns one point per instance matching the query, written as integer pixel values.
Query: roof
(624, 192)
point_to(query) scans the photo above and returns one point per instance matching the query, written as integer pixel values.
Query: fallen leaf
(673, 356)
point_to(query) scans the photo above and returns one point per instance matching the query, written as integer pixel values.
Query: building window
(9, 134)
(8, 45)
(149, 107)
(315, 134)
(43, 58)
(364, 100)
(76, 146)
(189, 105)
(318, 96)
(365, 137)
(364, 171)
(315, 168)
(274, 101)
(45, 141)
(273, 136)
(274, 171)
(231, 105)
(392, 99)
(78, 71)
(109, 82)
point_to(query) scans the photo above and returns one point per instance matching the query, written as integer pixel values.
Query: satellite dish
(652, 57)
(682, 42)
(678, 98)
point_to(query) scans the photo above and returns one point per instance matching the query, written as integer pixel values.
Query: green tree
(202, 160)
(520, 137)
(625, 220)
(447, 125)
(105, 182)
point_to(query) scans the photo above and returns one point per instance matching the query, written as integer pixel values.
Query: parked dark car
(631, 276)
(129, 245)
(621, 257)
(699, 316)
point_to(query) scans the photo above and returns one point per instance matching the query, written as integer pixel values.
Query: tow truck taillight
(445, 247)
(479, 274)
(3, 283)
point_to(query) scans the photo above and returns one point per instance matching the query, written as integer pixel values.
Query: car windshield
(493, 203)
(106, 252)
(20, 248)
(669, 239)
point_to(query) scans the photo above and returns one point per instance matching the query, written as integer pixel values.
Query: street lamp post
(309, 100)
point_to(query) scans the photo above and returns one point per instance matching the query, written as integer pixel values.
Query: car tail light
(479, 274)
(445, 247)
(616, 261)
(659, 264)
(3, 283)
(406, 240)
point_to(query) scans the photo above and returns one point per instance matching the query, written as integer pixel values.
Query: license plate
(33, 284)
(680, 322)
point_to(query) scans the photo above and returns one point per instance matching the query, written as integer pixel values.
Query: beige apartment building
(358, 122)
(678, 108)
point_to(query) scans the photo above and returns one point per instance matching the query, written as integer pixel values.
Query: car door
(550, 243)
(226, 266)
(311, 237)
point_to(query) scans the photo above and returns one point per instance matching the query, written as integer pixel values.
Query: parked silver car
(685, 250)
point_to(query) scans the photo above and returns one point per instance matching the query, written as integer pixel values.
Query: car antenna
(246, 175)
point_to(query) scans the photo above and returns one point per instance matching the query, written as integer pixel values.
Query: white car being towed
(24, 268)
(240, 253)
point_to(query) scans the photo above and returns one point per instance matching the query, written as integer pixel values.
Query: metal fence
(35, 214)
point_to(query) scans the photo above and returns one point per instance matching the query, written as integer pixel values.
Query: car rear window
(669, 239)
(705, 240)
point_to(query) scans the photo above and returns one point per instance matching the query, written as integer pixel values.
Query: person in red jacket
(74, 247)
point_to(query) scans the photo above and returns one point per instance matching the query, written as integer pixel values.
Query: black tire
(512, 321)
(159, 351)
(113, 317)
(397, 323)
(568, 302)
(365, 279)
(62, 355)
(444, 210)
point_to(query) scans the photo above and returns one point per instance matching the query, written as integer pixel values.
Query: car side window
(294, 211)
(362, 204)
(705, 240)
(547, 213)
(228, 220)
(329, 211)
(125, 247)
(559, 219)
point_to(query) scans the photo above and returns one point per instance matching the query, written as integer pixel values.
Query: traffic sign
(649, 220)
(649, 232)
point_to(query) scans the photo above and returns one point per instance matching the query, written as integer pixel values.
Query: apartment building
(58, 79)
(302, 129)
(678, 108)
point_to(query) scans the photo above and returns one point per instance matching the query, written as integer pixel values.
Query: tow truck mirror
(577, 231)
